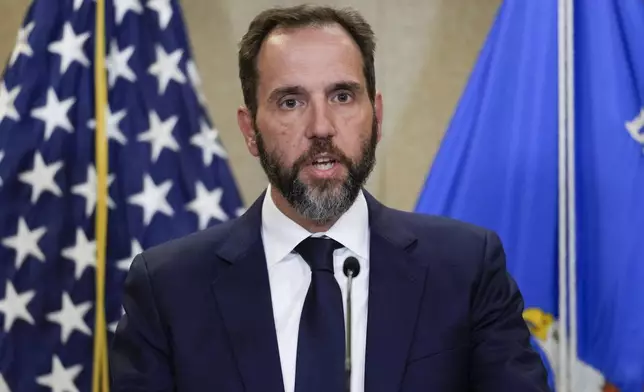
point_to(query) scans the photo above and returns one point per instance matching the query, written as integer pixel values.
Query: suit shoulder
(442, 227)
(186, 252)
(450, 242)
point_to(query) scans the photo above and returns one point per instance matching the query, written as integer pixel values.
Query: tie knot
(318, 252)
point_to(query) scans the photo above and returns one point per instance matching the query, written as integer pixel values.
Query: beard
(323, 200)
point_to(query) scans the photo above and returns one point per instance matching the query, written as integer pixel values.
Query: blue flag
(497, 164)
(168, 175)
(498, 167)
(609, 102)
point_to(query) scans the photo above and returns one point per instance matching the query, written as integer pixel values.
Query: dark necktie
(321, 341)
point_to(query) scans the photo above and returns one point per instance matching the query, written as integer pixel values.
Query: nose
(321, 121)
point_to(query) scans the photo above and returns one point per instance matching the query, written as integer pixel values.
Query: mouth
(324, 163)
(324, 166)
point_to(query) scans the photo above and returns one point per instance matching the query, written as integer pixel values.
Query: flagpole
(100, 379)
(572, 205)
(562, 364)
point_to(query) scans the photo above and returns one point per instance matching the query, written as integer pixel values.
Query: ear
(378, 109)
(245, 122)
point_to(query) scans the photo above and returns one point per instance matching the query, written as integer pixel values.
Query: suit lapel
(242, 292)
(395, 291)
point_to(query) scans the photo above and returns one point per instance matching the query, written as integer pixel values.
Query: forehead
(306, 55)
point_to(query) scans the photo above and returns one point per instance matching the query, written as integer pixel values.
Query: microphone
(351, 269)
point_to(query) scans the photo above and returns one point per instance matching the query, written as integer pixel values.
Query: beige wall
(425, 51)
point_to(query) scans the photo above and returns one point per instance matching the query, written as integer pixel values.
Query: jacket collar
(246, 231)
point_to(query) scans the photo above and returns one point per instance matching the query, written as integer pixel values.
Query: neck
(283, 205)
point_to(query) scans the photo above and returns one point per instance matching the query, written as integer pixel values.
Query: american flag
(168, 175)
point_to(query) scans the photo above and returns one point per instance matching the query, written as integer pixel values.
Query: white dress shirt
(290, 276)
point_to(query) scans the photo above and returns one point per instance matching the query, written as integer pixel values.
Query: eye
(343, 97)
(289, 103)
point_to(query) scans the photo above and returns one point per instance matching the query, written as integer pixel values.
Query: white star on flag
(88, 190)
(117, 63)
(83, 253)
(22, 43)
(208, 140)
(25, 242)
(207, 205)
(54, 113)
(41, 178)
(111, 326)
(14, 306)
(60, 379)
(153, 199)
(164, 9)
(195, 80)
(159, 135)
(70, 318)
(70, 48)
(3, 385)
(79, 3)
(125, 263)
(113, 125)
(166, 68)
(7, 106)
(123, 6)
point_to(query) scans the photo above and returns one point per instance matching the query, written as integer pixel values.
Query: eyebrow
(285, 90)
(347, 85)
(297, 90)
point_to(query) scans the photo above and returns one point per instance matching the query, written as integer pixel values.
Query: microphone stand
(347, 363)
(351, 269)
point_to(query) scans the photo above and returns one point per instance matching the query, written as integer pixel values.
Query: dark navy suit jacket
(443, 316)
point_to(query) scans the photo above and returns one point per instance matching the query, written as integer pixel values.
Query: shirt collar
(281, 235)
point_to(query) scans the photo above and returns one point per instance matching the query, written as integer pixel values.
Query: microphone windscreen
(351, 264)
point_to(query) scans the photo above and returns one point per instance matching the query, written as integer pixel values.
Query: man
(257, 304)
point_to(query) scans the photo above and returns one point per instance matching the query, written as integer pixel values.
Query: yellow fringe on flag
(100, 375)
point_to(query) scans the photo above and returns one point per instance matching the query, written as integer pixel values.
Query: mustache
(321, 146)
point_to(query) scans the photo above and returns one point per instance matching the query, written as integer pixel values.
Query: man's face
(316, 129)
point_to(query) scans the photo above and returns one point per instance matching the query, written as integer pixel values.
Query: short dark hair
(302, 16)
